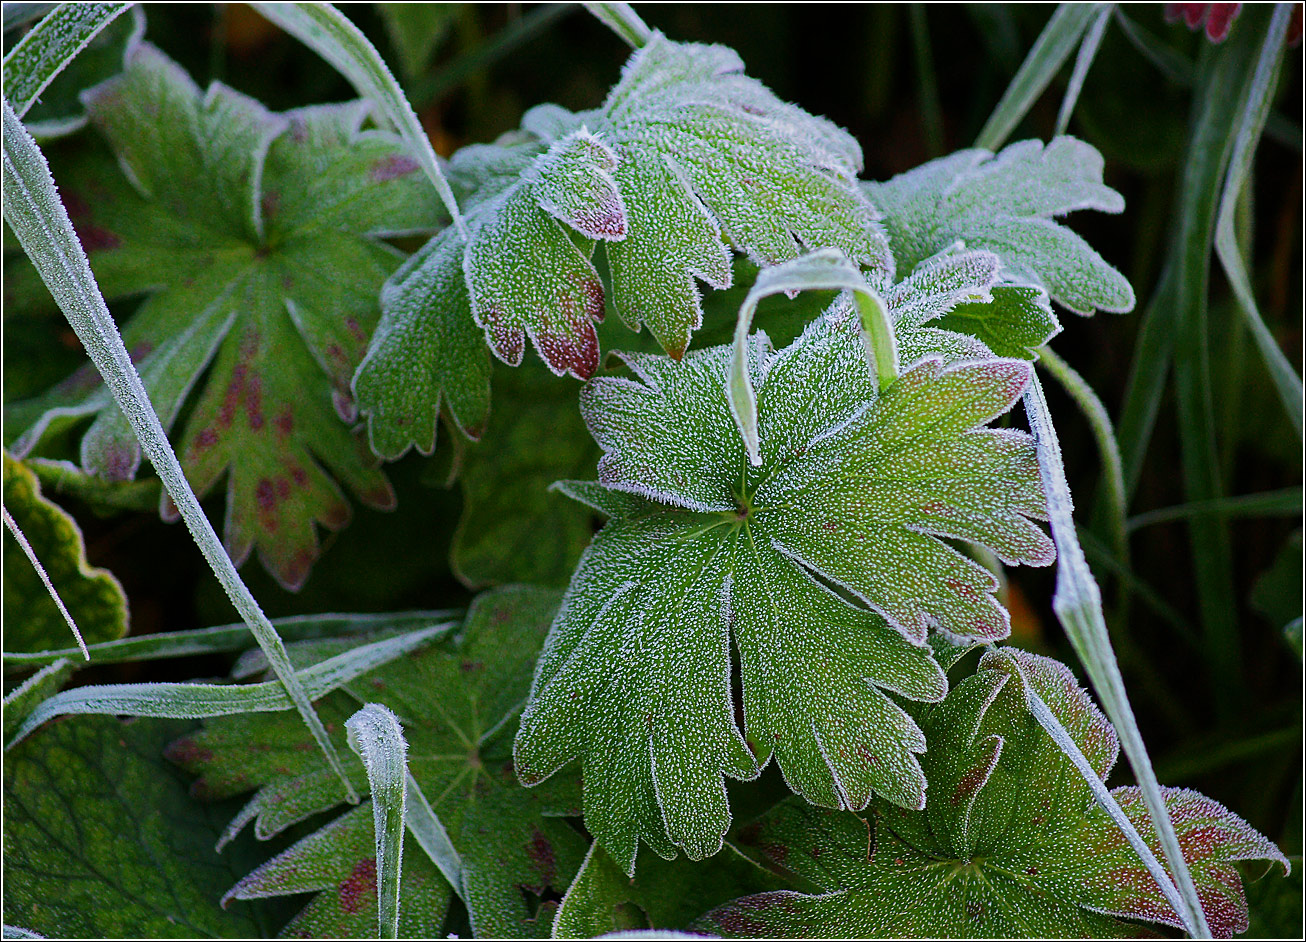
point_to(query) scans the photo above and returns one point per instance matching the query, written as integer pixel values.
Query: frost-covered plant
(799, 546)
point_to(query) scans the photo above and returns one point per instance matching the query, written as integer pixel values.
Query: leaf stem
(13, 528)
(37, 216)
(622, 19)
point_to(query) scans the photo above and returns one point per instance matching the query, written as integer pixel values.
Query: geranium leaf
(94, 598)
(458, 702)
(102, 841)
(704, 550)
(1008, 203)
(252, 233)
(686, 158)
(1010, 844)
(1014, 324)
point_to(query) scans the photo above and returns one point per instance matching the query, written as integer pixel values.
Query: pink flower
(1217, 17)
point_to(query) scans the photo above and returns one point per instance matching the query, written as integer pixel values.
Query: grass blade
(823, 270)
(37, 216)
(1282, 503)
(1264, 82)
(1077, 602)
(330, 34)
(197, 701)
(931, 109)
(12, 526)
(1050, 51)
(49, 46)
(1083, 62)
(1171, 64)
(432, 837)
(622, 19)
(226, 638)
(375, 734)
(25, 698)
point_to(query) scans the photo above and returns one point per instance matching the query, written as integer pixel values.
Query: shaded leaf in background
(1008, 203)
(687, 157)
(1277, 592)
(103, 498)
(458, 702)
(703, 549)
(1011, 842)
(416, 31)
(102, 841)
(662, 895)
(513, 529)
(251, 233)
(94, 598)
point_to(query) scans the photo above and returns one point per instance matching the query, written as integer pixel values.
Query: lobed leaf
(1008, 203)
(458, 702)
(1011, 843)
(821, 566)
(686, 158)
(252, 234)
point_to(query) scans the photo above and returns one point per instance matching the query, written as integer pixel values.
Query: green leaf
(416, 31)
(534, 437)
(663, 895)
(704, 550)
(1007, 203)
(1011, 843)
(102, 841)
(686, 157)
(252, 234)
(458, 702)
(93, 596)
(1014, 324)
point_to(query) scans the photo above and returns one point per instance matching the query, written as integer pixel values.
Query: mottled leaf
(458, 702)
(1011, 843)
(1008, 203)
(92, 595)
(822, 566)
(102, 841)
(686, 158)
(252, 234)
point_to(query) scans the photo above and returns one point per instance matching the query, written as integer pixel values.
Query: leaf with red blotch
(252, 234)
(1010, 844)
(458, 701)
(823, 566)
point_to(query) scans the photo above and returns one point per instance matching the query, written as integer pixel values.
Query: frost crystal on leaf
(252, 235)
(1011, 843)
(1008, 203)
(686, 158)
(822, 567)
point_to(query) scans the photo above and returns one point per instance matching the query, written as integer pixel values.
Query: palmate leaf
(251, 233)
(703, 551)
(1010, 844)
(1008, 203)
(687, 158)
(458, 702)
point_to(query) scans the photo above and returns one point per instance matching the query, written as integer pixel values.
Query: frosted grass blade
(233, 637)
(433, 838)
(196, 701)
(1083, 62)
(622, 20)
(24, 698)
(824, 270)
(1264, 82)
(1077, 602)
(1282, 503)
(1052, 48)
(37, 216)
(17, 534)
(330, 34)
(48, 47)
(375, 734)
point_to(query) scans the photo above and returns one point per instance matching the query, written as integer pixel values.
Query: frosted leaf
(1008, 203)
(686, 158)
(1011, 843)
(703, 550)
(253, 236)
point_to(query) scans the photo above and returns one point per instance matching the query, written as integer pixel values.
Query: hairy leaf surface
(251, 234)
(686, 158)
(1010, 844)
(822, 567)
(92, 595)
(458, 702)
(1008, 203)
